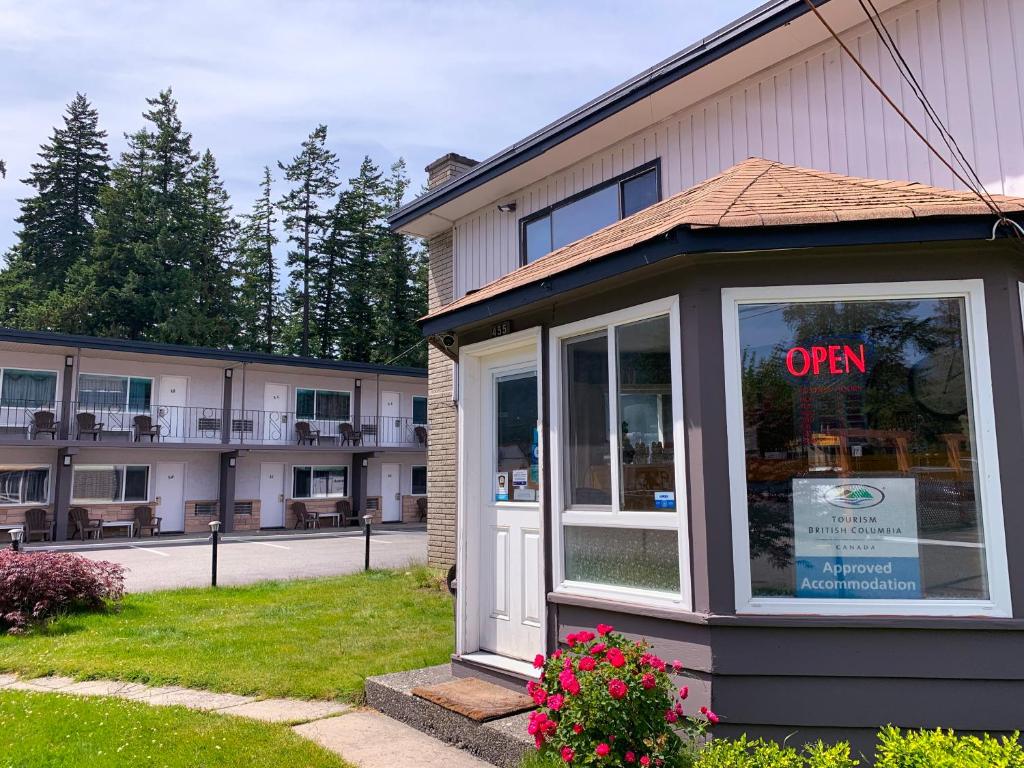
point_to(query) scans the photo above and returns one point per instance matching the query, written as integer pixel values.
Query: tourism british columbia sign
(856, 538)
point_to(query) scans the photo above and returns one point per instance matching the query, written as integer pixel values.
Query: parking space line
(268, 544)
(149, 550)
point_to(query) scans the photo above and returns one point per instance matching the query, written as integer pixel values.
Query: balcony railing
(91, 422)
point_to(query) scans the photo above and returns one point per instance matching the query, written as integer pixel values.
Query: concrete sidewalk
(365, 738)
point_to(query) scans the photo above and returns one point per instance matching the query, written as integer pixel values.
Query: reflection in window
(586, 450)
(24, 485)
(645, 415)
(859, 434)
(110, 483)
(583, 216)
(516, 458)
(319, 482)
(114, 393)
(623, 557)
(323, 404)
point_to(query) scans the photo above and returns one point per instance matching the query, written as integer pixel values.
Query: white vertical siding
(816, 109)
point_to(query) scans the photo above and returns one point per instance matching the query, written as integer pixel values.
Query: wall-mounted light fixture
(232, 461)
(359, 383)
(69, 360)
(228, 372)
(366, 463)
(66, 460)
(507, 207)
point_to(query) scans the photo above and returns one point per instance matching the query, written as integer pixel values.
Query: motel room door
(390, 493)
(275, 426)
(170, 494)
(511, 556)
(271, 495)
(171, 410)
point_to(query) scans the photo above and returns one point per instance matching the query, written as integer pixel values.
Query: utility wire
(400, 355)
(987, 200)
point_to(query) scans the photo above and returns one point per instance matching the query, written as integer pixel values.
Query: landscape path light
(17, 533)
(215, 535)
(366, 525)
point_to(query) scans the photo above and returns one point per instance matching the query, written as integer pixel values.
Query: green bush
(744, 753)
(944, 749)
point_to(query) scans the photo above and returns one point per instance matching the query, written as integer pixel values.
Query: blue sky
(390, 78)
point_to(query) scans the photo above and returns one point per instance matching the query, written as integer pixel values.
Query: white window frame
(318, 417)
(312, 468)
(425, 406)
(124, 466)
(412, 470)
(56, 383)
(124, 406)
(18, 467)
(610, 518)
(990, 493)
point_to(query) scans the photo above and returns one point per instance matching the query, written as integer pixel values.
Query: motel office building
(202, 434)
(702, 372)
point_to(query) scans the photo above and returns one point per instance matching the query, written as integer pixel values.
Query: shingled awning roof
(755, 193)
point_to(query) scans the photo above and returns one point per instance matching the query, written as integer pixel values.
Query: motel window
(419, 410)
(585, 213)
(114, 393)
(322, 404)
(110, 483)
(619, 483)
(24, 485)
(319, 482)
(419, 481)
(861, 458)
(27, 389)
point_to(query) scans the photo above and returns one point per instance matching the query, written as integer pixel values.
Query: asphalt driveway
(246, 560)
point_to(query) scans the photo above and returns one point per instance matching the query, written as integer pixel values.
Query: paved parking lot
(243, 561)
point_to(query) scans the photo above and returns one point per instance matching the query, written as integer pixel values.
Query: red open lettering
(840, 359)
(805, 359)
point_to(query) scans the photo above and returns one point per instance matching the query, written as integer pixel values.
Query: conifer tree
(313, 174)
(258, 299)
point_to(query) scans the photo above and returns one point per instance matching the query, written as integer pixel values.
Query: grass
(314, 639)
(40, 730)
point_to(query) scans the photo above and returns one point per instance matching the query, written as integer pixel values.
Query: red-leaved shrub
(36, 586)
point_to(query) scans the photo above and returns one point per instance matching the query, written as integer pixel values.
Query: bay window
(24, 485)
(312, 482)
(110, 483)
(860, 431)
(322, 404)
(618, 399)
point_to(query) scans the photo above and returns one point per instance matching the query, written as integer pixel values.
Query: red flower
(645, 760)
(629, 757)
(567, 754)
(596, 648)
(587, 663)
(569, 682)
(571, 639)
(555, 701)
(670, 716)
(648, 680)
(684, 692)
(617, 688)
(615, 657)
(577, 728)
(603, 750)
(604, 629)
(583, 636)
(711, 716)
(538, 661)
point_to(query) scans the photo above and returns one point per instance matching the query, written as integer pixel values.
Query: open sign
(833, 359)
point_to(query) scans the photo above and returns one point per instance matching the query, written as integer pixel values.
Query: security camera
(448, 340)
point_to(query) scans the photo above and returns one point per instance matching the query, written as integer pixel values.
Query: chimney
(446, 168)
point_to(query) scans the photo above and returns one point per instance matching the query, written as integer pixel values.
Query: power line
(400, 355)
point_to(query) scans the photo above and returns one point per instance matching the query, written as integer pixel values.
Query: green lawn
(307, 639)
(42, 730)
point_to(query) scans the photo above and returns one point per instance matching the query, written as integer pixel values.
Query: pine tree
(313, 172)
(258, 307)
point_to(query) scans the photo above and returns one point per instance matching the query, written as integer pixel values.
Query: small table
(129, 524)
(335, 515)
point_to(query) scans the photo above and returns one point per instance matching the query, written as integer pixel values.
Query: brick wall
(200, 523)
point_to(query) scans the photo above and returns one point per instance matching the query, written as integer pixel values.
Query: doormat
(475, 699)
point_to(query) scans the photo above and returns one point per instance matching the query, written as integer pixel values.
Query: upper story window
(102, 391)
(589, 211)
(419, 410)
(28, 389)
(322, 404)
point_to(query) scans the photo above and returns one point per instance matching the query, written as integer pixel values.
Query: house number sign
(504, 328)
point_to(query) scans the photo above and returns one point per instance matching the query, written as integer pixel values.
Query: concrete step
(501, 742)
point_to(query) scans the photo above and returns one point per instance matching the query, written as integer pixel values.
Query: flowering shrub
(609, 701)
(34, 587)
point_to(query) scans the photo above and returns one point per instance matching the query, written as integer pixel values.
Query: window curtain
(28, 389)
(96, 391)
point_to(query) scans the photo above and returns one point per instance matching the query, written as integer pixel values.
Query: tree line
(147, 247)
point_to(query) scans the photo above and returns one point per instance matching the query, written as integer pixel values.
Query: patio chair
(421, 508)
(306, 433)
(145, 520)
(304, 517)
(349, 436)
(85, 526)
(421, 436)
(44, 422)
(87, 425)
(35, 523)
(344, 508)
(144, 427)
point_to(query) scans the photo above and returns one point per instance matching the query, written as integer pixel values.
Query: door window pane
(538, 238)
(861, 466)
(645, 415)
(28, 389)
(639, 192)
(587, 450)
(517, 471)
(584, 216)
(623, 557)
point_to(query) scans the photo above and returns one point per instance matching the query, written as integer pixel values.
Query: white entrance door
(509, 527)
(170, 494)
(271, 495)
(275, 426)
(171, 413)
(390, 493)
(390, 418)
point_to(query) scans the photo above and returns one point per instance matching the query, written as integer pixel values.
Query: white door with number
(275, 414)
(271, 495)
(170, 494)
(511, 554)
(390, 493)
(171, 413)
(390, 418)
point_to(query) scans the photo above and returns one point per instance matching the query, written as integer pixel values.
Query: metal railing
(98, 422)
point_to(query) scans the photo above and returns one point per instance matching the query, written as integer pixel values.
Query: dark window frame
(412, 478)
(640, 170)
